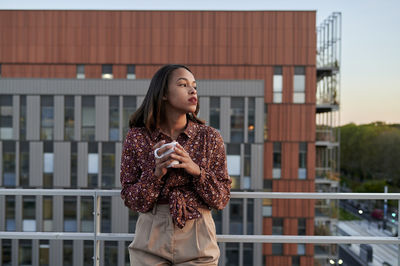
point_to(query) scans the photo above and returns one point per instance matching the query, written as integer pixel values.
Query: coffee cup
(170, 150)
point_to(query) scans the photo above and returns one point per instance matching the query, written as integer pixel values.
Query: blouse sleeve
(140, 188)
(214, 184)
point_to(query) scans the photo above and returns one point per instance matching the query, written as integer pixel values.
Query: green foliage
(370, 152)
(346, 216)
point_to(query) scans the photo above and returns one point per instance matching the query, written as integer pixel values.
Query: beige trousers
(159, 242)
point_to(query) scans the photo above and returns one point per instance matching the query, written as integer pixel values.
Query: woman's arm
(140, 187)
(214, 184)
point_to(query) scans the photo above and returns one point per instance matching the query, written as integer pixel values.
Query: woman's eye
(195, 88)
(183, 84)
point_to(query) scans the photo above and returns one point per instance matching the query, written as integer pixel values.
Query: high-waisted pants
(159, 242)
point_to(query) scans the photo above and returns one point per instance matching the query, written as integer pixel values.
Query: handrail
(234, 194)
(97, 236)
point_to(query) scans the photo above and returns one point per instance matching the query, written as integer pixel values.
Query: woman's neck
(174, 125)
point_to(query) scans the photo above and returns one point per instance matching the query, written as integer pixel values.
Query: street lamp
(360, 212)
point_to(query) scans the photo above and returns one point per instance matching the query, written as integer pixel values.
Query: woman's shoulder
(136, 132)
(209, 131)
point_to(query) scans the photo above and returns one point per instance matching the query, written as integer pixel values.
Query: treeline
(370, 153)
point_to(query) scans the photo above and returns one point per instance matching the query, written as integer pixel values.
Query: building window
(233, 163)
(87, 253)
(114, 118)
(277, 85)
(69, 117)
(6, 252)
(25, 252)
(236, 216)
(6, 125)
(48, 164)
(70, 224)
(130, 72)
(250, 216)
(251, 108)
(28, 214)
(47, 214)
(110, 252)
(248, 254)
(87, 214)
(265, 122)
(302, 160)
(93, 165)
(267, 203)
(215, 107)
(277, 249)
(247, 167)
(9, 164)
(108, 165)
(299, 85)
(237, 119)
(22, 117)
(80, 71)
(106, 214)
(47, 117)
(10, 213)
(301, 249)
(107, 72)
(217, 216)
(276, 171)
(68, 252)
(295, 260)
(232, 254)
(24, 164)
(277, 226)
(129, 107)
(74, 165)
(301, 226)
(44, 248)
(88, 118)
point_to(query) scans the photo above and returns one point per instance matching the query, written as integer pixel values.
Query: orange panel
(250, 37)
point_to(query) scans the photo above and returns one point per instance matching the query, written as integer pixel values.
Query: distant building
(71, 79)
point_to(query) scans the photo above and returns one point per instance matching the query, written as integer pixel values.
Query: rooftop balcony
(96, 236)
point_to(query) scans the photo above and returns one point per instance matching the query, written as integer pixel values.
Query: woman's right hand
(162, 163)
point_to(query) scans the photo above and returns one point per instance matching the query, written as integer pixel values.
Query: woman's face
(181, 94)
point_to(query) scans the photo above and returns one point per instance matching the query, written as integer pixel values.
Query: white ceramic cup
(173, 145)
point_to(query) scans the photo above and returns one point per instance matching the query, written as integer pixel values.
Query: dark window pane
(106, 69)
(278, 70)
(131, 69)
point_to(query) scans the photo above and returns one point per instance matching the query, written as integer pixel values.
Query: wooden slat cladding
(158, 37)
(291, 122)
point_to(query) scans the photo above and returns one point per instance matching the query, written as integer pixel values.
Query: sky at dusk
(370, 78)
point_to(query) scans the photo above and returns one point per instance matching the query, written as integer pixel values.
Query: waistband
(163, 209)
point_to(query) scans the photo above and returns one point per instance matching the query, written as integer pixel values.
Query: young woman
(175, 226)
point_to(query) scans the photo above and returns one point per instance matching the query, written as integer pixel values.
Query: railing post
(398, 232)
(96, 220)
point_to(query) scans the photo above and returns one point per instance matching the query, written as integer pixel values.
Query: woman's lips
(193, 100)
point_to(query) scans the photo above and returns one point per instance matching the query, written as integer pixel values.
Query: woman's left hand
(185, 161)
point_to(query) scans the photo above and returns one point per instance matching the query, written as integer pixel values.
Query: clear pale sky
(370, 86)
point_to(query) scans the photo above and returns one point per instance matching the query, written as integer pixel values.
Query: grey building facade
(68, 133)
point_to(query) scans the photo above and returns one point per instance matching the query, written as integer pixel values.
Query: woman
(175, 226)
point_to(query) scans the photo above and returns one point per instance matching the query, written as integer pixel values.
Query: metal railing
(97, 236)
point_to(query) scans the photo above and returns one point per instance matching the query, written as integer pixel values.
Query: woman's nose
(193, 90)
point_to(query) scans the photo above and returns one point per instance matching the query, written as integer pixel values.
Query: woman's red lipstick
(193, 100)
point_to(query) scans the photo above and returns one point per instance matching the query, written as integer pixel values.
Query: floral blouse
(185, 193)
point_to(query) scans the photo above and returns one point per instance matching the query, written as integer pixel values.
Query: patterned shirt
(185, 193)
